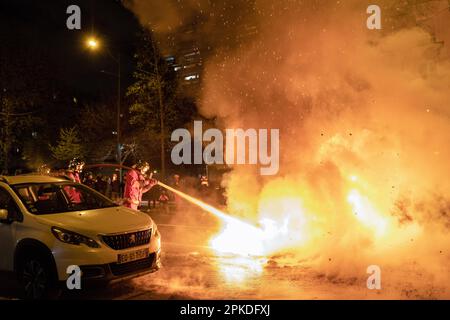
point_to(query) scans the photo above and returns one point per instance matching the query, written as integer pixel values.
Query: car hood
(99, 221)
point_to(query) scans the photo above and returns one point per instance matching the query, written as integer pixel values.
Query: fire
(273, 234)
(239, 236)
(363, 137)
(289, 220)
(292, 218)
(366, 213)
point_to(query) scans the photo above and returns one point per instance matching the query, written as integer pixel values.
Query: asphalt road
(192, 270)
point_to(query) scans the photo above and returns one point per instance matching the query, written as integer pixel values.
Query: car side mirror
(4, 215)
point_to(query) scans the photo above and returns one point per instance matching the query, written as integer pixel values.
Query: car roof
(30, 178)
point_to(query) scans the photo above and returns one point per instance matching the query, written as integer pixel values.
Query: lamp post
(93, 44)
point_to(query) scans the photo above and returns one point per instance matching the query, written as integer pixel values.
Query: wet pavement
(193, 270)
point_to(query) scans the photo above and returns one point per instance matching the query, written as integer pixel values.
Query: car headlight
(73, 238)
(156, 231)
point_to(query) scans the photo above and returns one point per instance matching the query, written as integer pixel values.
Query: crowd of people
(110, 186)
(136, 182)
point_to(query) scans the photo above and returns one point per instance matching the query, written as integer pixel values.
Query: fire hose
(216, 212)
(183, 195)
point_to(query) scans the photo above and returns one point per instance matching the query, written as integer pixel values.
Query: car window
(26, 194)
(7, 202)
(47, 198)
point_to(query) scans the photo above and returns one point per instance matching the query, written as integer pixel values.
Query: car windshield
(48, 198)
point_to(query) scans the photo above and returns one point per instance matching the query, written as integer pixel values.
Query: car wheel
(36, 278)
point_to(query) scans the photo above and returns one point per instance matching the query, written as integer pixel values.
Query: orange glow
(239, 237)
(92, 43)
(366, 213)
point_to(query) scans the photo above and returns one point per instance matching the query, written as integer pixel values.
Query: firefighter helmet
(76, 164)
(142, 166)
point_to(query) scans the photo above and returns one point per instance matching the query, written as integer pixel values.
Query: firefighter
(176, 181)
(75, 168)
(137, 183)
(115, 187)
(164, 201)
(73, 173)
(177, 184)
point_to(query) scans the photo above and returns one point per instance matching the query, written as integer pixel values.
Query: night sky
(40, 27)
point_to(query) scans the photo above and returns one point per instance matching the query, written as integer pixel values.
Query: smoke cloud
(364, 123)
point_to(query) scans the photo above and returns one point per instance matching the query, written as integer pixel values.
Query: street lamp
(93, 44)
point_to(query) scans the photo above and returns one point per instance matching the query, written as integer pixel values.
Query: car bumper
(112, 272)
(101, 263)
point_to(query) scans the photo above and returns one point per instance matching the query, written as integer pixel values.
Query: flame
(366, 213)
(273, 234)
(289, 220)
(238, 236)
(285, 222)
(361, 132)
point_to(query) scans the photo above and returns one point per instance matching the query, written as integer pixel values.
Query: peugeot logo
(132, 239)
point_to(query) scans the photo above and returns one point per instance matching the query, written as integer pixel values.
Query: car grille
(128, 240)
(92, 272)
(132, 267)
